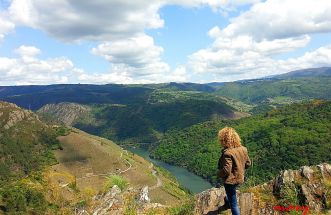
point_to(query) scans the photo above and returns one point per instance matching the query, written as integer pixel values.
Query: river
(194, 183)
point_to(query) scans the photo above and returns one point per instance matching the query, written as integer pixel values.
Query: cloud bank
(27, 69)
(246, 48)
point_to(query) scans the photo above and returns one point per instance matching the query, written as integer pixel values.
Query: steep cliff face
(305, 190)
(66, 113)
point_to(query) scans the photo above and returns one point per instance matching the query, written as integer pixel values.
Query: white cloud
(247, 47)
(118, 24)
(244, 49)
(27, 51)
(178, 75)
(105, 78)
(27, 69)
(227, 66)
(277, 19)
(242, 57)
(134, 60)
(70, 20)
(100, 20)
(137, 55)
(6, 25)
(240, 44)
(216, 5)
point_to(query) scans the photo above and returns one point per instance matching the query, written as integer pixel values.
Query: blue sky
(117, 41)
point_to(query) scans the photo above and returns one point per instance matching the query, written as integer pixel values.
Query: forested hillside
(278, 91)
(283, 138)
(25, 149)
(148, 120)
(25, 142)
(34, 97)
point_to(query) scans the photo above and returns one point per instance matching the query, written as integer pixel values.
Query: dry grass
(89, 159)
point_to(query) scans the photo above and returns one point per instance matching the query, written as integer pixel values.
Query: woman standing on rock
(232, 164)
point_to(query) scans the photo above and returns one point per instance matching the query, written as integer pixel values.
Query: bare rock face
(107, 203)
(212, 202)
(306, 171)
(7, 105)
(308, 188)
(144, 195)
(285, 178)
(209, 200)
(66, 113)
(11, 115)
(310, 184)
(325, 170)
(246, 201)
(115, 201)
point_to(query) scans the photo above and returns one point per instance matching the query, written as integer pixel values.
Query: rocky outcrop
(209, 200)
(116, 202)
(144, 198)
(311, 184)
(212, 202)
(303, 190)
(66, 113)
(11, 114)
(4, 105)
(109, 202)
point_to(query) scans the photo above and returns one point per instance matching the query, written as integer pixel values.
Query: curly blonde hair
(229, 138)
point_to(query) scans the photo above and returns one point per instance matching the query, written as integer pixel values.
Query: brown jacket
(232, 165)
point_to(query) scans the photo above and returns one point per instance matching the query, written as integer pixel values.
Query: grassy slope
(90, 158)
(285, 138)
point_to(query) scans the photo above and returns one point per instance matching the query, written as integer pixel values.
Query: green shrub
(62, 131)
(118, 180)
(183, 209)
(19, 199)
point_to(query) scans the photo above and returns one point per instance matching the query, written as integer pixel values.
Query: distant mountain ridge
(307, 83)
(311, 72)
(143, 112)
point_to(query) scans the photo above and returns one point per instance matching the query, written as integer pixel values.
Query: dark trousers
(232, 198)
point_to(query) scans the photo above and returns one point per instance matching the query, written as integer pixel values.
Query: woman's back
(239, 162)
